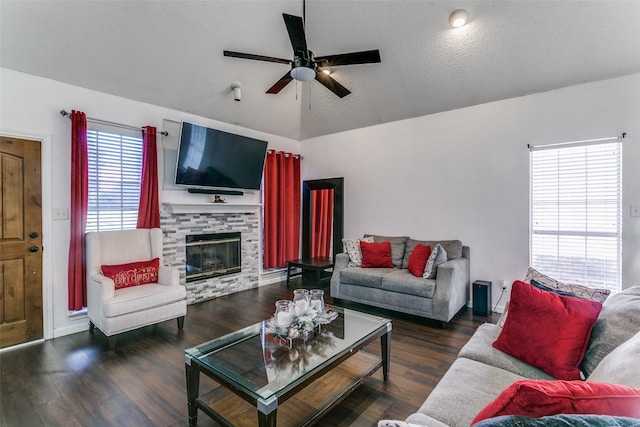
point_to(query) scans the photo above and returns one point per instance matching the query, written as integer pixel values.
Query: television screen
(213, 158)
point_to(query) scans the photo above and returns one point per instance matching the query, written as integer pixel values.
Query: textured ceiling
(169, 53)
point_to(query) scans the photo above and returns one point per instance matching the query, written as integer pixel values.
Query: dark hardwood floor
(75, 381)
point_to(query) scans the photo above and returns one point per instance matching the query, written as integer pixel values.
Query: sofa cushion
(368, 277)
(452, 247)
(466, 388)
(398, 244)
(621, 366)
(617, 323)
(376, 255)
(402, 281)
(480, 348)
(539, 398)
(133, 273)
(418, 260)
(532, 331)
(352, 247)
(438, 256)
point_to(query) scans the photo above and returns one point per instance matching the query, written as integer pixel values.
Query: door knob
(33, 234)
(33, 249)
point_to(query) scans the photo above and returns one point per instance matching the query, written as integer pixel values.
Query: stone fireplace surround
(176, 225)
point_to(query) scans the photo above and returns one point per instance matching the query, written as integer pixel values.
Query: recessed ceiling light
(458, 18)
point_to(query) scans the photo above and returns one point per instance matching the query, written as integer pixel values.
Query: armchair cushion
(139, 298)
(133, 273)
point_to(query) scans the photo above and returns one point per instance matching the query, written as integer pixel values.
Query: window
(115, 169)
(575, 227)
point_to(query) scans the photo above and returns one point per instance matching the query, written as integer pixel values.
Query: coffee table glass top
(264, 365)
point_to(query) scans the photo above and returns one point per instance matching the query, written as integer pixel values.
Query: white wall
(29, 108)
(464, 174)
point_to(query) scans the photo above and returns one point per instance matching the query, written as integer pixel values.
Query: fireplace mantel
(186, 208)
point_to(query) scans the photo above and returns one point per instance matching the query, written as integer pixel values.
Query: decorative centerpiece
(301, 318)
(295, 337)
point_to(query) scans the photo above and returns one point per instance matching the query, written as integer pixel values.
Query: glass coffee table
(298, 379)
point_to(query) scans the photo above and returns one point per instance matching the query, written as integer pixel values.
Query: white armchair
(116, 311)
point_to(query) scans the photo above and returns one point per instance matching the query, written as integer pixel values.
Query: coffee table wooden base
(303, 409)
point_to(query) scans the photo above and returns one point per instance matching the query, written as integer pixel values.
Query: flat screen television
(213, 158)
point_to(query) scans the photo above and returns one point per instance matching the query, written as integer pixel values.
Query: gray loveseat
(481, 372)
(399, 290)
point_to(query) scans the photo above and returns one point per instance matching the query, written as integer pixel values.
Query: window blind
(115, 170)
(575, 208)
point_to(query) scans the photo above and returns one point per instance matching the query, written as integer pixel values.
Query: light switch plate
(60, 214)
(635, 210)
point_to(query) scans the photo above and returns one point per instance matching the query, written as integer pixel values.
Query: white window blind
(576, 212)
(115, 170)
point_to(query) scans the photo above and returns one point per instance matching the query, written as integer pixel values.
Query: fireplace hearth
(212, 255)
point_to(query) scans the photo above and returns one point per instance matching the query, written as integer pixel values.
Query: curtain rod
(583, 142)
(104, 122)
(285, 153)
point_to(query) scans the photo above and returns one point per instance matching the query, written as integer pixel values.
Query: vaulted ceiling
(169, 53)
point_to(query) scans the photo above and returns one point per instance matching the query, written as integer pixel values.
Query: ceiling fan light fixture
(303, 74)
(326, 70)
(458, 18)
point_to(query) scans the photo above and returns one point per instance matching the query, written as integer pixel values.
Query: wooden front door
(20, 241)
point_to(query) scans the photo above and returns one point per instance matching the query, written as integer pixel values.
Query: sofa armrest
(168, 275)
(452, 288)
(339, 263)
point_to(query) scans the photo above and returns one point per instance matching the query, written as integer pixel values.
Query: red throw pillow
(548, 331)
(133, 274)
(376, 254)
(418, 259)
(541, 398)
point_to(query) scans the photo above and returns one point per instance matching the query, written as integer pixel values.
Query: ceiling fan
(305, 66)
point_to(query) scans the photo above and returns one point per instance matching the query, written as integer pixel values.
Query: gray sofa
(399, 290)
(481, 372)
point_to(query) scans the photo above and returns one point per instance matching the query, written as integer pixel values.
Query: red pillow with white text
(376, 254)
(418, 259)
(133, 274)
(548, 331)
(541, 398)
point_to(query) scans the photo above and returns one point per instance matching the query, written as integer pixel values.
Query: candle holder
(284, 314)
(316, 300)
(301, 301)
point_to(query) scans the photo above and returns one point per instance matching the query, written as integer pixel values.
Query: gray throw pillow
(621, 366)
(618, 321)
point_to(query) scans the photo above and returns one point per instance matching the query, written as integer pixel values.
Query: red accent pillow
(548, 331)
(133, 274)
(540, 398)
(376, 254)
(418, 259)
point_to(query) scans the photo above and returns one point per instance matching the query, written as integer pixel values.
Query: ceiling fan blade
(332, 85)
(256, 57)
(295, 28)
(280, 84)
(364, 57)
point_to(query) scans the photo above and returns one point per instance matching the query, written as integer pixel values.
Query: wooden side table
(317, 265)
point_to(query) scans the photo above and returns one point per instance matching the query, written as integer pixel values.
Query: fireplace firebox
(212, 255)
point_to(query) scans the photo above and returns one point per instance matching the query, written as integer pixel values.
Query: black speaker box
(481, 298)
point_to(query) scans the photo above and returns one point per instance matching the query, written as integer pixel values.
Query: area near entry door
(20, 241)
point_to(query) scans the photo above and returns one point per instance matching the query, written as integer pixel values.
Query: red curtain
(76, 271)
(149, 209)
(321, 220)
(281, 209)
